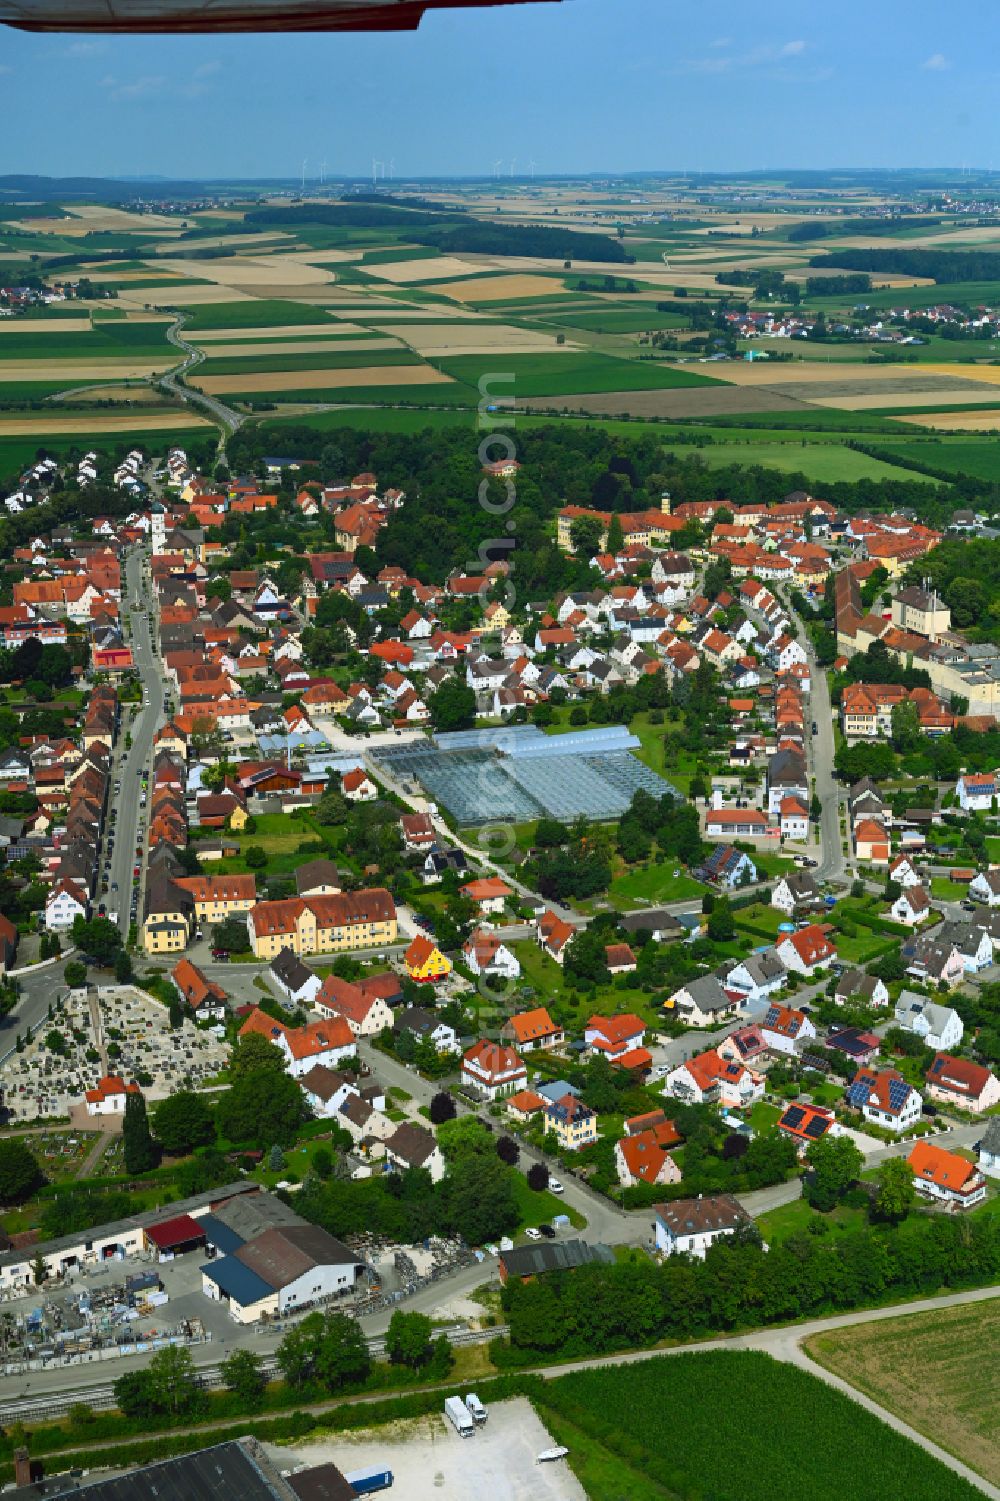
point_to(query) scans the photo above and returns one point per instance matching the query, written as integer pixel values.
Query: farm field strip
(56, 370)
(969, 422)
(954, 1403)
(98, 422)
(346, 376)
(249, 349)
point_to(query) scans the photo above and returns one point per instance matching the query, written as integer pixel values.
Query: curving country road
(229, 420)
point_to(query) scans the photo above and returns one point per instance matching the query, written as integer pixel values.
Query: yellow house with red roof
(425, 962)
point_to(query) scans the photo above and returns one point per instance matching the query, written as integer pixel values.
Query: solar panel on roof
(794, 1116)
(816, 1126)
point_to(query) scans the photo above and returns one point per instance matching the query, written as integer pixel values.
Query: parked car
(532, 1233)
(555, 1186)
(547, 1231)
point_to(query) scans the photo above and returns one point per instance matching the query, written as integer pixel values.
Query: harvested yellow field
(500, 288)
(99, 216)
(988, 374)
(44, 325)
(895, 397)
(474, 338)
(314, 380)
(957, 422)
(183, 294)
(247, 270)
(819, 372)
(234, 242)
(433, 268)
(278, 331)
(122, 276)
(387, 310)
(55, 370)
(98, 422)
(303, 346)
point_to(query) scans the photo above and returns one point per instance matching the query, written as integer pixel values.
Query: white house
(706, 1001)
(493, 1070)
(912, 906)
(413, 1146)
(294, 981)
(326, 1091)
(785, 1029)
(794, 817)
(902, 872)
(691, 1226)
(885, 1098)
(711, 1079)
(795, 891)
(988, 1148)
(946, 1177)
(109, 1095)
(985, 887)
(976, 792)
(486, 954)
(757, 976)
(65, 903)
(939, 1027)
(807, 952)
(365, 1013)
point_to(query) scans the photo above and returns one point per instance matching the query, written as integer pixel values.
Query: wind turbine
(496, 167)
(322, 171)
(392, 167)
(305, 162)
(531, 169)
(513, 163)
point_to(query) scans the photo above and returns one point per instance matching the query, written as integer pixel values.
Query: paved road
(229, 419)
(832, 864)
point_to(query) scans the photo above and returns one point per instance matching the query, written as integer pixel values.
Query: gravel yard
(430, 1462)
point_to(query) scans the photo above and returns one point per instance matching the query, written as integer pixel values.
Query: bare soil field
(184, 294)
(52, 370)
(699, 401)
(44, 326)
(501, 288)
(302, 346)
(957, 422)
(148, 395)
(97, 422)
(103, 277)
(890, 396)
(474, 338)
(378, 309)
(249, 270)
(315, 380)
(434, 268)
(955, 1399)
(234, 242)
(822, 372)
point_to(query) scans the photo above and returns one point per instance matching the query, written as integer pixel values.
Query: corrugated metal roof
(237, 1281)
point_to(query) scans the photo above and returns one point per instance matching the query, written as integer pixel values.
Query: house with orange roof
(109, 1095)
(358, 787)
(786, 1029)
(553, 935)
(206, 999)
(613, 1037)
(710, 1079)
(643, 1157)
(425, 962)
(489, 894)
(65, 903)
(962, 1083)
(945, 1177)
(871, 842)
(366, 1013)
(485, 953)
(493, 1070)
(529, 1030)
(525, 1104)
(794, 816)
(804, 1124)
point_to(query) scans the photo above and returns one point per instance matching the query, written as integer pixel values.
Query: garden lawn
(541, 1208)
(824, 462)
(653, 884)
(791, 1219)
(949, 891)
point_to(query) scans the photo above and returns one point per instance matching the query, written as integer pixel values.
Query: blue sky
(587, 85)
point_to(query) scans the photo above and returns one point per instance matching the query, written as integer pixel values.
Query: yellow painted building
(425, 962)
(323, 924)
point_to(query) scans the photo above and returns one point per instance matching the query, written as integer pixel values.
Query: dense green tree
(895, 1194)
(262, 1107)
(243, 1374)
(182, 1122)
(254, 1054)
(137, 1142)
(20, 1174)
(835, 1163)
(409, 1339)
(452, 705)
(329, 1349)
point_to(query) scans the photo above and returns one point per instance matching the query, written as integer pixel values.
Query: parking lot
(430, 1462)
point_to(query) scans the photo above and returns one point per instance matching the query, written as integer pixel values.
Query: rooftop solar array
(519, 774)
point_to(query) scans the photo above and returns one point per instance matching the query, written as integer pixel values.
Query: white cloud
(205, 70)
(726, 61)
(86, 49)
(936, 63)
(143, 87)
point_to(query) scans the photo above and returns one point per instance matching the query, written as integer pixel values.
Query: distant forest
(938, 265)
(449, 232)
(823, 229)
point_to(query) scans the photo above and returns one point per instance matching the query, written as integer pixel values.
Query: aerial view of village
(499, 800)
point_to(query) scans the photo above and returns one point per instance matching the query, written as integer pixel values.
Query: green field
(951, 1403)
(567, 374)
(266, 313)
(109, 339)
(351, 359)
(797, 1437)
(657, 883)
(817, 461)
(625, 320)
(974, 456)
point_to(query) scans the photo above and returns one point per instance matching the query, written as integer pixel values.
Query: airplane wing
(135, 17)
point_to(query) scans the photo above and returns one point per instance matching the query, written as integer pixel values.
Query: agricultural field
(954, 1402)
(797, 1436)
(822, 462)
